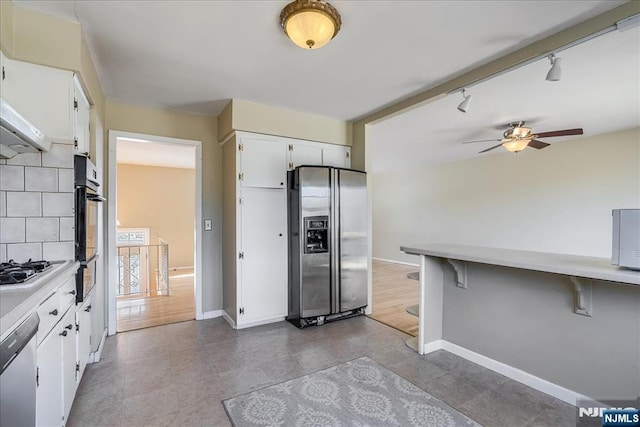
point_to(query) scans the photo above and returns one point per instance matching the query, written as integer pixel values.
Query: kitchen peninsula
(566, 325)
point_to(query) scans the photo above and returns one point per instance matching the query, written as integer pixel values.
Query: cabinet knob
(88, 309)
(282, 183)
(72, 292)
(54, 312)
(69, 327)
(63, 333)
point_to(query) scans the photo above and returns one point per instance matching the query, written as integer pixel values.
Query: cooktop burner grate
(13, 272)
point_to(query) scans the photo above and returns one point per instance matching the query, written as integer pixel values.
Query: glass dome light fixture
(310, 24)
(516, 145)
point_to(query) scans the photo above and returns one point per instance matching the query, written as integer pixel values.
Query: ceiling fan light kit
(310, 24)
(464, 105)
(555, 72)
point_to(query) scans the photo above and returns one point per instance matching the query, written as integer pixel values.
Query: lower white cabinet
(67, 336)
(263, 259)
(83, 319)
(62, 355)
(49, 380)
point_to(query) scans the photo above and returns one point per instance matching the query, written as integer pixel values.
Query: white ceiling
(196, 55)
(149, 153)
(599, 92)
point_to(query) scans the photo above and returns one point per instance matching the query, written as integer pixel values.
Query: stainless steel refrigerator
(328, 244)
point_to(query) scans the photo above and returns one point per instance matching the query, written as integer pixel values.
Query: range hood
(18, 135)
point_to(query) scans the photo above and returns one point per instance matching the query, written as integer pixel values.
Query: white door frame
(111, 219)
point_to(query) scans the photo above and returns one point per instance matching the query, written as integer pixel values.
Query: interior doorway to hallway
(153, 239)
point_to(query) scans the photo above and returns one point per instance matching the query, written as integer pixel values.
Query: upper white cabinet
(51, 98)
(304, 153)
(263, 162)
(336, 155)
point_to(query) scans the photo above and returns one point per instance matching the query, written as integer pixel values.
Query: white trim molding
(228, 318)
(547, 387)
(95, 356)
(212, 314)
(111, 219)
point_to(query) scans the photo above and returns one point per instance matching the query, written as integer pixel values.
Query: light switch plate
(208, 225)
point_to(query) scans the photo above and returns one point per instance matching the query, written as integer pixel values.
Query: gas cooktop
(12, 273)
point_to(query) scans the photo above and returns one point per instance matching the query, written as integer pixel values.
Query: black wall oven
(87, 198)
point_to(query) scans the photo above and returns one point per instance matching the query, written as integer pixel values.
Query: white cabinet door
(338, 156)
(68, 338)
(304, 154)
(82, 111)
(44, 95)
(263, 267)
(49, 392)
(263, 162)
(83, 317)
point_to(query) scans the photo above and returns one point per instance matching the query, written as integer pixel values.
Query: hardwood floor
(393, 292)
(178, 306)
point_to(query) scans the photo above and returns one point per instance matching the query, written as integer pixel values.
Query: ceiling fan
(518, 137)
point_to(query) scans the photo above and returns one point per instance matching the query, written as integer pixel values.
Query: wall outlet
(208, 225)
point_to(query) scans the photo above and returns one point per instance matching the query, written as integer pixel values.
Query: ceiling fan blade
(482, 140)
(534, 143)
(565, 132)
(490, 148)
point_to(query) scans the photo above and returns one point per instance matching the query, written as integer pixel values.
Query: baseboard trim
(555, 390)
(396, 262)
(95, 356)
(211, 314)
(228, 318)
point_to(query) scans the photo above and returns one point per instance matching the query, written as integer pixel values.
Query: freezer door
(315, 272)
(351, 204)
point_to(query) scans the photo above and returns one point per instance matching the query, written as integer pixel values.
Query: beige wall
(163, 200)
(153, 121)
(253, 117)
(554, 200)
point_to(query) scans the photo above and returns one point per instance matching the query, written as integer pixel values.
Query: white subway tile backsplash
(67, 229)
(24, 204)
(11, 177)
(58, 156)
(22, 252)
(3, 203)
(26, 159)
(3, 253)
(40, 179)
(57, 204)
(12, 230)
(65, 180)
(58, 251)
(43, 229)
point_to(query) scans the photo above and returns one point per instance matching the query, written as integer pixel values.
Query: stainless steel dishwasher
(18, 375)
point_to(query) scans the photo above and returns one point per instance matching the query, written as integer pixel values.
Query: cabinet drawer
(67, 294)
(50, 312)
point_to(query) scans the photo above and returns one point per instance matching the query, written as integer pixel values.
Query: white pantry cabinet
(49, 380)
(83, 328)
(51, 98)
(255, 257)
(67, 335)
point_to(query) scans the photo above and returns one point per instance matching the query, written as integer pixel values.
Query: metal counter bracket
(583, 295)
(461, 272)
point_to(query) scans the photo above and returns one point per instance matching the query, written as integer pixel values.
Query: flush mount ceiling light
(555, 72)
(310, 24)
(464, 105)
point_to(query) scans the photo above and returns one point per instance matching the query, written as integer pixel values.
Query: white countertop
(570, 265)
(18, 301)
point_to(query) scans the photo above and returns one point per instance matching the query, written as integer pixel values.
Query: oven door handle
(96, 183)
(95, 198)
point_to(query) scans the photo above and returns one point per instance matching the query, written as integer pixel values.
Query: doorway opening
(154, 207)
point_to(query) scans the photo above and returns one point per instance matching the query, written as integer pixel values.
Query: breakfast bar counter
(567, 325)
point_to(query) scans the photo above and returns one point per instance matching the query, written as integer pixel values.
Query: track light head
(555, 72)
(464, 105)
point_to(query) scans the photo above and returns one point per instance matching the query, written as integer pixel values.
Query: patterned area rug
(357, 394)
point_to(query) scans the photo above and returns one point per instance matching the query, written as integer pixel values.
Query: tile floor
(177, 375)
